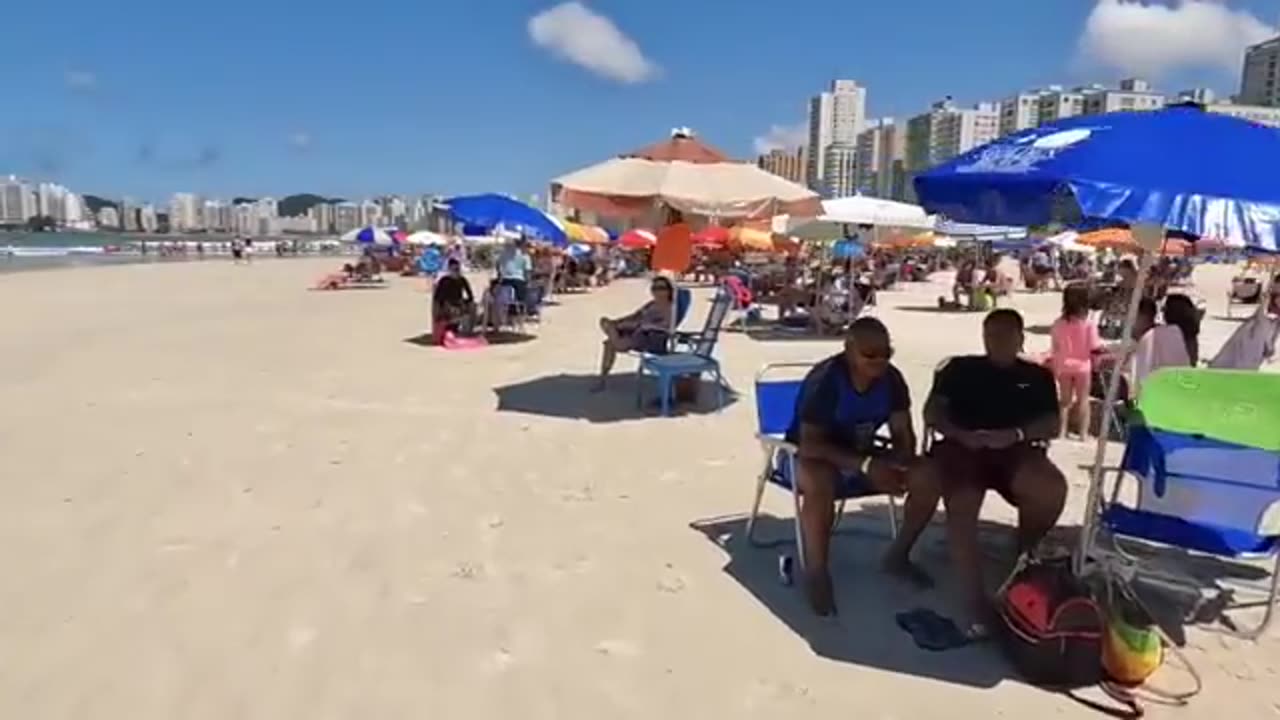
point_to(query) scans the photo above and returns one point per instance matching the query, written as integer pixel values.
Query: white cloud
(1149, 38)
(782, 137)
(573, 32)
(300, 140)
(80, 79)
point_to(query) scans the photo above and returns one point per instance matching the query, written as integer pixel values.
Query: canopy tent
(624, 187)
(859, 210)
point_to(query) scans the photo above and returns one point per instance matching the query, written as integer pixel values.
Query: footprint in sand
(467, 571)
(671, 581)
(617, 648)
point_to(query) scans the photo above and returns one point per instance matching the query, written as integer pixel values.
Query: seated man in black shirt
(995, 412)
(452, 302)
(845, 399)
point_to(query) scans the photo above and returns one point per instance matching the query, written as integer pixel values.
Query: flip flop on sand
(936, 633)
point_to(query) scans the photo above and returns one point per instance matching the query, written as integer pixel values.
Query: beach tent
(685, 174)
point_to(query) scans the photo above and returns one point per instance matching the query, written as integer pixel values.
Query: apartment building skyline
(1260, 75)
(836, 117)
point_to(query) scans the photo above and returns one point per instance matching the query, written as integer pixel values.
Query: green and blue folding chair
(1204, 449)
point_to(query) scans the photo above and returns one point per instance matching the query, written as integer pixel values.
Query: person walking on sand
(1074, 343)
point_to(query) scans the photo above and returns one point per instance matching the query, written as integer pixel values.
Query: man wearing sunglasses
(844, 401)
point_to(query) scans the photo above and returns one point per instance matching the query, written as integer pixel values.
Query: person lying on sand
(844, 400)
(647, 329)
(996, 413)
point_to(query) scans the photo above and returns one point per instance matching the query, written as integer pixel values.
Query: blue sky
(146, 98)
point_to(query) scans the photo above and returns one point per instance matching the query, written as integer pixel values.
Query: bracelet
(865, 466)
(1022, 436)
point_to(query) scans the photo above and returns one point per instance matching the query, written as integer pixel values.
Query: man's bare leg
(923, 493)
(1040, 492)
(817, 482)
(963, 504)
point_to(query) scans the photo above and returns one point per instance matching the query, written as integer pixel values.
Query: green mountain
(296, 205)
(95, 203)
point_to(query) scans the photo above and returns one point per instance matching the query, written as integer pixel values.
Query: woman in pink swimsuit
(1075, 342)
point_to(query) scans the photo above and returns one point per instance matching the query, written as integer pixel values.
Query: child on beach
(1074, 343)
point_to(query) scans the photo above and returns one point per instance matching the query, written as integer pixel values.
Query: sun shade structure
(1180, 168)
(687, 175)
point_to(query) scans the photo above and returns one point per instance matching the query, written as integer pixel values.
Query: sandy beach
(225, 496)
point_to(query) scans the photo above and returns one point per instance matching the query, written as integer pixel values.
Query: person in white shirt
(1176, 343)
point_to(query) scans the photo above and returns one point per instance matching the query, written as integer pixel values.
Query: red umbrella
(637, 240)
(681, 146)
(711, 236)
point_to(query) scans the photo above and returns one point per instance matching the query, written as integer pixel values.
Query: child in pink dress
(1075, 342)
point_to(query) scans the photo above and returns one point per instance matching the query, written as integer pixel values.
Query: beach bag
(1050, 627)
(1134, 648)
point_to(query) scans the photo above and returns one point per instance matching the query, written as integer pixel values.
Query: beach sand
(224, 496)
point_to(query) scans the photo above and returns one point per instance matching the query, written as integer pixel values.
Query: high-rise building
(789, 164)
(322, 214)
(1268, 115)
(1020, 112)
(946, 131)
(1056, 104)
(840, 170)
(1202, 95)
(147, 220)
(108, 217)
(1133, 94)
(17, 202)
(51, 201)
(370, 213)
(74, 211)
(835, 117)
(1260, 78)
(185, 213)
(346, 217)
(129, 221)
(244, 219)
(881, 156)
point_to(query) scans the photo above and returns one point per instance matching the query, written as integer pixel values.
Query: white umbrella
(426, 237)
(1068, 241)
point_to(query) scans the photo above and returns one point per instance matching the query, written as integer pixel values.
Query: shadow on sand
(570, 396)
(865, 632)
(494, 338)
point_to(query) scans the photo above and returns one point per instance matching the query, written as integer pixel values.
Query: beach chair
(684, 300)
(693, 357)
(1204, 451)
(777, 387)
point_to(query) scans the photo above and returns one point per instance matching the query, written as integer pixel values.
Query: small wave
(50, 252)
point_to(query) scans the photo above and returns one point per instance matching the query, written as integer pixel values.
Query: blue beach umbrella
(1181, 168)
(847, 249)
(369, 236)
(491, 211)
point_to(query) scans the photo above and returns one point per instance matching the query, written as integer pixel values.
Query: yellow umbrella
(751, 239)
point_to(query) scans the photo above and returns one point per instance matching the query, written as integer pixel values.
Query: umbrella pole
(1092, 505)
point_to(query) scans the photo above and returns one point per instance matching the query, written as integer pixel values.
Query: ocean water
(31, 250)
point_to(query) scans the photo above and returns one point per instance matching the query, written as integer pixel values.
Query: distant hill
(95, 203)
(297, 205)
(243, 201)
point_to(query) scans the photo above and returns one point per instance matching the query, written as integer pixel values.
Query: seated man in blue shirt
(844, 401)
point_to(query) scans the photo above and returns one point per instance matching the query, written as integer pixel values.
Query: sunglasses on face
(659, 288)
(876, 354)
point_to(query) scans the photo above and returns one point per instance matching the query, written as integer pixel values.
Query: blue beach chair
(1204, 451)
(777, 388)
(693, 356)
